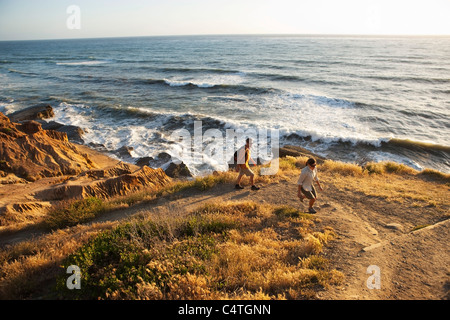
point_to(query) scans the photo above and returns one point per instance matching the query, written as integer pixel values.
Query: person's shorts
(310, 194)
(246, 171)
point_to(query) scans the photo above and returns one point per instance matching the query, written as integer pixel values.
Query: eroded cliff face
(31, 153)
(106, 183)
(39, 168)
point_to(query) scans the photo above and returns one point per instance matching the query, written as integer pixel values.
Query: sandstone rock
(30, 127)
(33, 153)
(19, 212)
(39, 111)
(74, 133)
(115, 171)
(105, 188)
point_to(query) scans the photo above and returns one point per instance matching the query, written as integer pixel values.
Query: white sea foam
(208, 80)
(10, 106)
(82, 63)
(317, 117)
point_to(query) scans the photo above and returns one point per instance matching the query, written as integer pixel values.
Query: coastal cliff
(40, 168)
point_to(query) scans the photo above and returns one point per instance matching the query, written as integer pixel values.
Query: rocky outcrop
(39, 111)
(20, 212)
(32, 153)
(295, 151)
(178, 170)
(172, 167)
(124, 152)
(109, 172)
(108, 187)
(74, 133)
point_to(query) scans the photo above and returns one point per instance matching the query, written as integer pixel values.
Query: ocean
(348, 98)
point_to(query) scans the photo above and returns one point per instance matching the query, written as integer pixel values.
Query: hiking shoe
(311, 210)
(238, 186)
(255, 187)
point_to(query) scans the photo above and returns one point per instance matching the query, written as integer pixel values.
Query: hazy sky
(47, 19)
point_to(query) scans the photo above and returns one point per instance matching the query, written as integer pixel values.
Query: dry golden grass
(390, 181)
(225, 250)
(27, 265)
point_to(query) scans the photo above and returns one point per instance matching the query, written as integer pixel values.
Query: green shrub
(115, 262)
(73, 213)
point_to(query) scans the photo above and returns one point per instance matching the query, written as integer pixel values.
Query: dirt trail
(413, 265)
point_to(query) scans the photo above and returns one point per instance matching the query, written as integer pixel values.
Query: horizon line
(244, 34)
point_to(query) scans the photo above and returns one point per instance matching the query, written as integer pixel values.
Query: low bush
(71, 213)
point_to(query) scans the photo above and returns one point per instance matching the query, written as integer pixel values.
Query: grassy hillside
(238, 249)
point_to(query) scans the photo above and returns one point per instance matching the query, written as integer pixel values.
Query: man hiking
(243, 158)
(305, 184)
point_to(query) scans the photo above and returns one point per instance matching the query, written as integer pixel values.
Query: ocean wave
(409, 79)
(198, 70)
(170, 120)
(415, 145)
(149, 131)
(82, 63)
(199, 84)
(175, 83)
(24, 73)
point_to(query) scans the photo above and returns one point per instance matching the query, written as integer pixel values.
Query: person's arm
(247, 157)
(318, 182)
(299, 192)
(299, 183)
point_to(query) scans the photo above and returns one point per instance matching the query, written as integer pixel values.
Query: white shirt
(307, 177)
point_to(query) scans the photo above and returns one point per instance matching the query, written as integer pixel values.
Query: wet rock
(97, 146)
(178, 170)
(74, 133)
(162, 160)
(144, 161)
(39, 111)
(164, 156)
(124, 152)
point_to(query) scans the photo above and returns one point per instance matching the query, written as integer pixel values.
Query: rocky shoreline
(43, 162)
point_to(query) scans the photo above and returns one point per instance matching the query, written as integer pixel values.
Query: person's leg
(312, 200)
(251, 174)
(238, 180)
